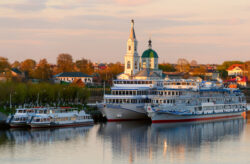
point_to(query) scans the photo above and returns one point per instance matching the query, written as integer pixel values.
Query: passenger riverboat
(60, 117)
(20, 118)
(187, 100)
(127, 100)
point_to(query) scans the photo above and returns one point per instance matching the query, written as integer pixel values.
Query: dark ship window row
(133, 82)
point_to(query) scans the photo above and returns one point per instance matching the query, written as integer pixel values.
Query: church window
(135, 65)
(129, 48)
(128, 65)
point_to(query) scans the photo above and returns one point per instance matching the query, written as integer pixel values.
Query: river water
(225, 141)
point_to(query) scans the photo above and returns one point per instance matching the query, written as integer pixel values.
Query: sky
(208, 31)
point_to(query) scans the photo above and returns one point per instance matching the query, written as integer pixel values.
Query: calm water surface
(225, 141)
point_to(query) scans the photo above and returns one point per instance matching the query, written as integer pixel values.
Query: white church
(136, 67)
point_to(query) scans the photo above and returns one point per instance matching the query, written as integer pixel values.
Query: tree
(4, 64)
(199, 71)
(16, 64)
(167, 67)
(111, 72)
(28, 66)
(183, 65)
(193, 63)
(226, 64)
(43, 70)
(65, 63)
(85, 66)
(247, 69)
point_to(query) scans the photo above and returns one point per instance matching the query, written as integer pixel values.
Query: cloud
(21, 42)
(24, 5)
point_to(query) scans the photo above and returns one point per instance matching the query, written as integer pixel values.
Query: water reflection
(139, 140)
(130, 142)
(43, 136)
(197, 133)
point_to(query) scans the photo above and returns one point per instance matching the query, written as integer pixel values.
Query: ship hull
(165, 118)
(18, 124)
(123, 112)
(57, 125)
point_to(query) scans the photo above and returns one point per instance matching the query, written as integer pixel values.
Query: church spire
(132, 31)
(150, 44)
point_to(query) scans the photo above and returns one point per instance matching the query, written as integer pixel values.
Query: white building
(69, 77)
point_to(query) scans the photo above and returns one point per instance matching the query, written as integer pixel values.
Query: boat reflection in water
(197, 133)
(136, 141)
(43, 136)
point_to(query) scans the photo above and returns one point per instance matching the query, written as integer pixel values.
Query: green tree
(167, 67)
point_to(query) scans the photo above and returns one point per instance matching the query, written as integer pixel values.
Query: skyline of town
(209, 32)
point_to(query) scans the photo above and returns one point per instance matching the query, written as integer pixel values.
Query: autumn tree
(85, 66)
(65, 63)
(4, 64)
(199, 71)
(111, 72)
(16, 64)
(193, 63)
(183, 65)
(28, 66)
(247, 69)
(43, 70)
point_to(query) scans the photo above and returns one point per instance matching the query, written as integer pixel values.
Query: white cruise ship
(187, 100)
(127, 99)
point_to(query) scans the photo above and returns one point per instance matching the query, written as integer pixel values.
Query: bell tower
(132, 59)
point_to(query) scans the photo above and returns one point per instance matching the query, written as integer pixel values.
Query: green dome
(149, 54)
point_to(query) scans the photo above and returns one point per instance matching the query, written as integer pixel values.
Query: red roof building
(236, 70)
